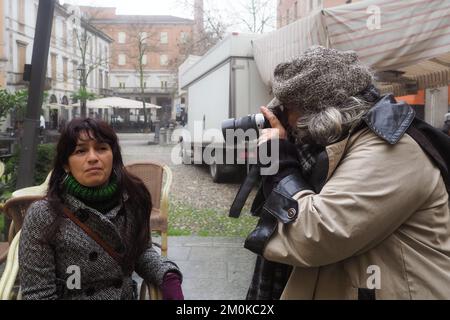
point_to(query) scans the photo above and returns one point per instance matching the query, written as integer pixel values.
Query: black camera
(254, 121)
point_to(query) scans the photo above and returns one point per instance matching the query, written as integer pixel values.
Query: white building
(64, 61)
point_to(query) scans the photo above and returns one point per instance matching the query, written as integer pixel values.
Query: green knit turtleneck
(101, 198)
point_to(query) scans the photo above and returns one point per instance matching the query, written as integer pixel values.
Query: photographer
(359, 206)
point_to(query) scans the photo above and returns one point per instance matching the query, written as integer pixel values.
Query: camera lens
(245, 123)
(228, 124)
(260, 121)
(254, 121)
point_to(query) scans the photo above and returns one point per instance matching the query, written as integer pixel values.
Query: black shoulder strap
(435, 144)
(247, 186)
(94, 236)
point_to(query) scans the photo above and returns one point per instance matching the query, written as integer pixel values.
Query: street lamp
(82, 70)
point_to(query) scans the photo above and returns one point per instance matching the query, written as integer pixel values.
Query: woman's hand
(276, 132)
(171, 287)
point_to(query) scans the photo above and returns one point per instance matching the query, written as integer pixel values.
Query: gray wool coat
(72, 266)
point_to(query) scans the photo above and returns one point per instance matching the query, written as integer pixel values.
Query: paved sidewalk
(214, 268)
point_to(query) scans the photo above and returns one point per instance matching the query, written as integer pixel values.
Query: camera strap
(94, 236)
(250, 182)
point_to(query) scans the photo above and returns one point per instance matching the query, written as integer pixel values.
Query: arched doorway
(53, 114)
(74, 109)
(65, 110)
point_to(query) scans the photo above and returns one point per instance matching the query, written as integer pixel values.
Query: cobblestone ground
(192, 184)
(213, 267)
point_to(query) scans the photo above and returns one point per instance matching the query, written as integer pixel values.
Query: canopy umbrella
(116, 102)
(151, 106)
(57, 106)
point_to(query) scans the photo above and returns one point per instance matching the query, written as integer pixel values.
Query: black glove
(288, 163)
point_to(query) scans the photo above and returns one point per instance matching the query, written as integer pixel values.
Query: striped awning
(286, 43)
(409, 36)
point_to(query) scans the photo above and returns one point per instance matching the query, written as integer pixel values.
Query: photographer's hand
(286, 160)
(276, 132)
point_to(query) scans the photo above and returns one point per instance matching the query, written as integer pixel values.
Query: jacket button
(83, 215)
(120, 248)
(93, 256)
(118, 283)
(90, 292)
(292, 213)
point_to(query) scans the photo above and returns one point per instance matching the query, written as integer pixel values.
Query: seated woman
(85, 239)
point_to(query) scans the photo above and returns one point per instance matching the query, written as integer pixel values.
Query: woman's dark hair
(139, 203)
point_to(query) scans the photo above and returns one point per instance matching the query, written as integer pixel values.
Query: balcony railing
(151, 90)
(106, 92)
(17, 80)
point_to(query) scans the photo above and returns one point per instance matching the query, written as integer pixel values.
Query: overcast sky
(225, 9)
(153, 7)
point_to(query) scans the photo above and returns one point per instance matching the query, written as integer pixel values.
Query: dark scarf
(101, 198)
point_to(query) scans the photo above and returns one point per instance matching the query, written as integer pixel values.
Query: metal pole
(35, 94)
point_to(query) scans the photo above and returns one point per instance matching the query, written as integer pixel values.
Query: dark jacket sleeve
(276, 196)
(36, 256)
(278, 207)
(152, 267)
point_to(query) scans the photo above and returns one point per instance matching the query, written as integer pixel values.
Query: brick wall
(156, 48)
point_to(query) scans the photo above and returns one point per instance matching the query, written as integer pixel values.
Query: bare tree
(257, 15)
(213, 28)
(89, 62)
(144, 42)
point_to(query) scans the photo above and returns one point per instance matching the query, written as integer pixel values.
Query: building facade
(161, 39)
(289, 11)
(64, 61)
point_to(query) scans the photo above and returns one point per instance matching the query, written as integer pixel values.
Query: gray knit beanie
(318, 79)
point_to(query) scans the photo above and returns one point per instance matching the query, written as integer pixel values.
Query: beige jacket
(381, 221)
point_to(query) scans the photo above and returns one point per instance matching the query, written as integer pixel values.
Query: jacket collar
(75, 204)
(100, 223)
(388, 119)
